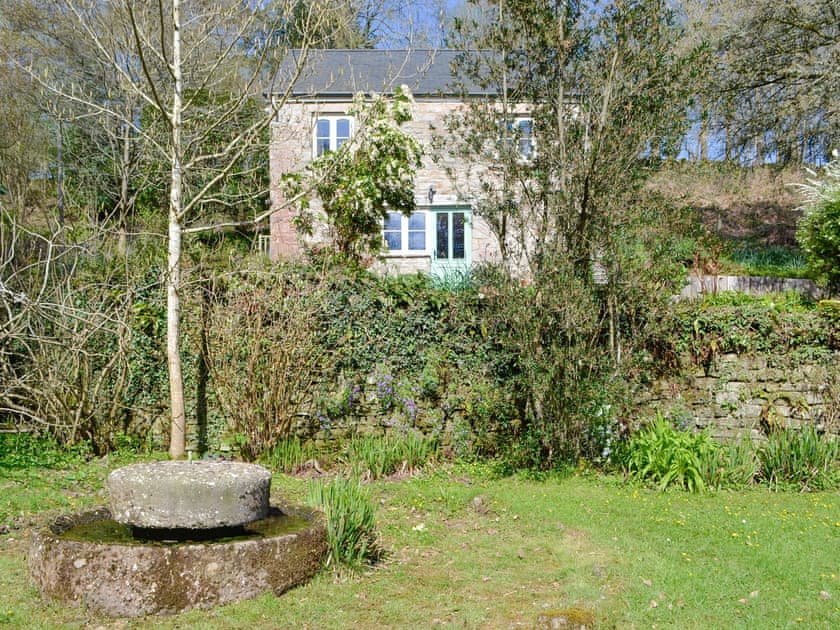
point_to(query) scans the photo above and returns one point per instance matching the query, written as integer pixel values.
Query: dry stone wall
(753, 285)
(750, 395)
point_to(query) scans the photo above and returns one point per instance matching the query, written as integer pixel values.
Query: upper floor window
(331, 131)
(405, 233)
(519, 130)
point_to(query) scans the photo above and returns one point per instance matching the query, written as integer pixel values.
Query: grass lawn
(469, 551)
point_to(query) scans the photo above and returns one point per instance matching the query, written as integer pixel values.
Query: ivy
(740, 324)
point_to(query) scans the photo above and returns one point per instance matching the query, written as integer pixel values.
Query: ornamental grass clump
(663, 456)
(374, 457)
(802, 458)
(736, 465)
(289, 455)
(350, 518)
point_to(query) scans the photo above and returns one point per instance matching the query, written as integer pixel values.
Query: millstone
(189, 495)
(133, 580)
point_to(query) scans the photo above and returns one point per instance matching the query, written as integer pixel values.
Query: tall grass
(731, 465)
(288, 455)
(454, 280)
(350, 517)
(769, 260)
(374, 457)
(801, 458)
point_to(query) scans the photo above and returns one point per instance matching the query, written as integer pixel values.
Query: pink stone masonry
(292, 148)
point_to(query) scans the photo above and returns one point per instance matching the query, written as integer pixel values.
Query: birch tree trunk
(177, 440)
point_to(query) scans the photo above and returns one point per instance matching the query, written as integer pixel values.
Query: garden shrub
(350, 519)
(548, 361)
(732, 322)
(264, 356)
(667, 457)
(818, 232)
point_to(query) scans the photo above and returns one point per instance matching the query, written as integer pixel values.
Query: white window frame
(405, 232)
(335, 141)
(515, 123)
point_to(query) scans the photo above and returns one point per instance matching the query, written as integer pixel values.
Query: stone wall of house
(291, 148)
(750, 395)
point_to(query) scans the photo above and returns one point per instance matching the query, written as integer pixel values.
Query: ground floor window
(444, 234)
(405, 233)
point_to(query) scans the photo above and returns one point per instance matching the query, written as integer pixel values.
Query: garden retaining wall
(750, 395)
(754, 285)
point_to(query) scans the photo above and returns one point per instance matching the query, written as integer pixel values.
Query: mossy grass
(469, 549)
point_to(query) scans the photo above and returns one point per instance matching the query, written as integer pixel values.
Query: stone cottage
(444, 235)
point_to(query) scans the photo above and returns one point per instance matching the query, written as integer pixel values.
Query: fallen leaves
(745, 600)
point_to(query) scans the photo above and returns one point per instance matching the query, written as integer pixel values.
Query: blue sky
(417, 22)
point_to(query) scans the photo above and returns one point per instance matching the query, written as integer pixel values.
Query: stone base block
(131, 580)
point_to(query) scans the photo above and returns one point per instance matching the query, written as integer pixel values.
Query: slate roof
(343, 73)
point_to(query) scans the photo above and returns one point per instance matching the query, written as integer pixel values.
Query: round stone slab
(133, 580)
(189, 495)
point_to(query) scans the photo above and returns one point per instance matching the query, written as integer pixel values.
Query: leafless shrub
(264, 357)
(63, 340)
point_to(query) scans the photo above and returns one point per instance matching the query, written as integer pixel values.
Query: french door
(451, 242)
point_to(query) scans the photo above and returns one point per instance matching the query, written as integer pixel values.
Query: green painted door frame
(451, 241)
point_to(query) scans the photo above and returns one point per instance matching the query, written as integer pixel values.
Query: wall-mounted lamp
(431, 194)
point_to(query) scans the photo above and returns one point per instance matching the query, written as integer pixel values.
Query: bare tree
(24, 142)
(587, 92)
(64, 340)
(191, 68)
(589, 97)
(771, 93)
